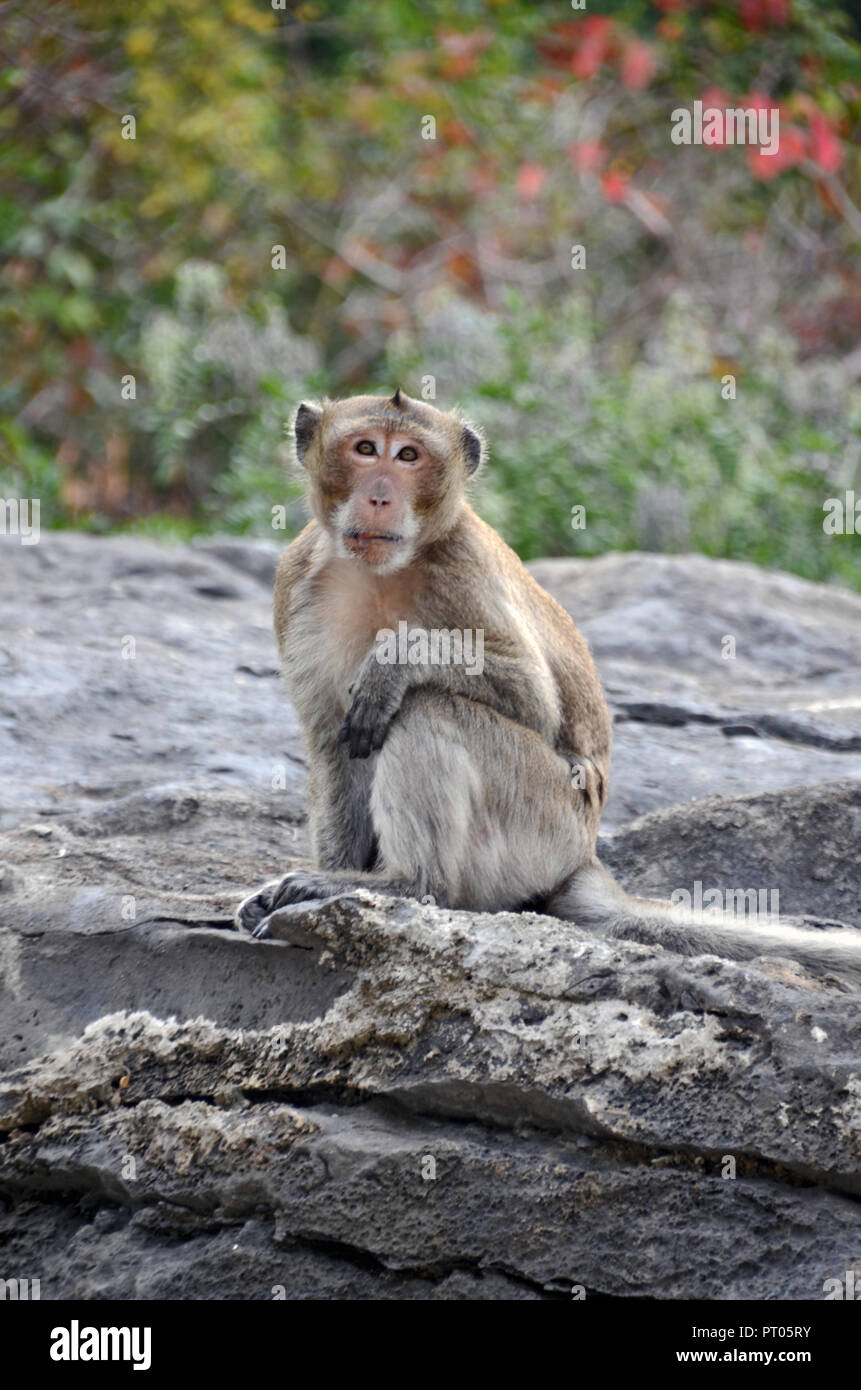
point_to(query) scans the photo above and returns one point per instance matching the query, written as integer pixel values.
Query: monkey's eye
(365, 446)
(408, 454)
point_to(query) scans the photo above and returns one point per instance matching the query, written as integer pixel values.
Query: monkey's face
(386, 476)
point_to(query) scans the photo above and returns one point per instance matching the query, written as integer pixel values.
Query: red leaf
(614, 186)
(594, 43)
(595, 25)
(824, 146)
(760, 101)
(589, 57)
(456, 133)
(530, 180)
(587, 155)
(790, 151)
(462, 51)
(758, 14)
(715, 96)
(639, 65)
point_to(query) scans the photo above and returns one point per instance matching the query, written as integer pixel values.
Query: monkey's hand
(377, 694)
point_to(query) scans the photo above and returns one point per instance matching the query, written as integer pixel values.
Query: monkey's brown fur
(483, 791)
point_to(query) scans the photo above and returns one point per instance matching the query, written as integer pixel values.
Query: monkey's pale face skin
(377, 525)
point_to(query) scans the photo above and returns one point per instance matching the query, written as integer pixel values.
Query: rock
(800, 848)
(784, 710)
(389, 1100)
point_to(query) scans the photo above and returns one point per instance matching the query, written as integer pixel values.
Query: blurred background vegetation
(262, 124)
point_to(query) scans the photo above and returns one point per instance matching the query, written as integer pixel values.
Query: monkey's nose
(380, 491)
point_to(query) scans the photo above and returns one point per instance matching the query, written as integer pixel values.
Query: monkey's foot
(298, 887)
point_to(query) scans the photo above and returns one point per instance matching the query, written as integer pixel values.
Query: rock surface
(392, 1101)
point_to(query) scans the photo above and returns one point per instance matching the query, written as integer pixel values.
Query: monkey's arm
(514, 683)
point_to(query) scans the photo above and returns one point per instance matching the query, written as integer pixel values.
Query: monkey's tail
(593, 899)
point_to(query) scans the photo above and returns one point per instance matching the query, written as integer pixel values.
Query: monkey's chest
(327, 642)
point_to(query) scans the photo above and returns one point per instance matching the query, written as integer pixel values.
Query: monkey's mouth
(364, 537)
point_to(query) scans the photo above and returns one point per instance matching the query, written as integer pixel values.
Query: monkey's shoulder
(500, 567)
(298, 562)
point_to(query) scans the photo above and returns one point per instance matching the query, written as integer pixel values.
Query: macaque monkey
(432, 778)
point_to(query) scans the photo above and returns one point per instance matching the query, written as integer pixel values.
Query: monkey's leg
(342, 834)
(474, 809)
(468, 808)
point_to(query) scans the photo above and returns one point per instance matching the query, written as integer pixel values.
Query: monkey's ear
(473, 448)
(305, 424)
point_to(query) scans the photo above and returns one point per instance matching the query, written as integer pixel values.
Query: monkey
(479, 789)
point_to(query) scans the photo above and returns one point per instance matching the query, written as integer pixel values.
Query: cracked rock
(390, 1100)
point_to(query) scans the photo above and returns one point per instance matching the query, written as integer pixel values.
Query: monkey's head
(385, 475)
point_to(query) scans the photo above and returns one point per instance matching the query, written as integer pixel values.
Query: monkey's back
(585, 722)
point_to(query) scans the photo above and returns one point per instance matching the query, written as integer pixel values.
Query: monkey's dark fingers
(365, 727)
(352, 733)
(257, 906)
(302, 885)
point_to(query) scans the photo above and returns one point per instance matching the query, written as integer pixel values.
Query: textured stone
(391, 1101)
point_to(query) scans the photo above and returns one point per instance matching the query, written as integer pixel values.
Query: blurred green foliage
(655, 454)
(302, 127)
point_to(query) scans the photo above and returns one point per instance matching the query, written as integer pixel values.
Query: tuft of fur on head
(398, 411)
